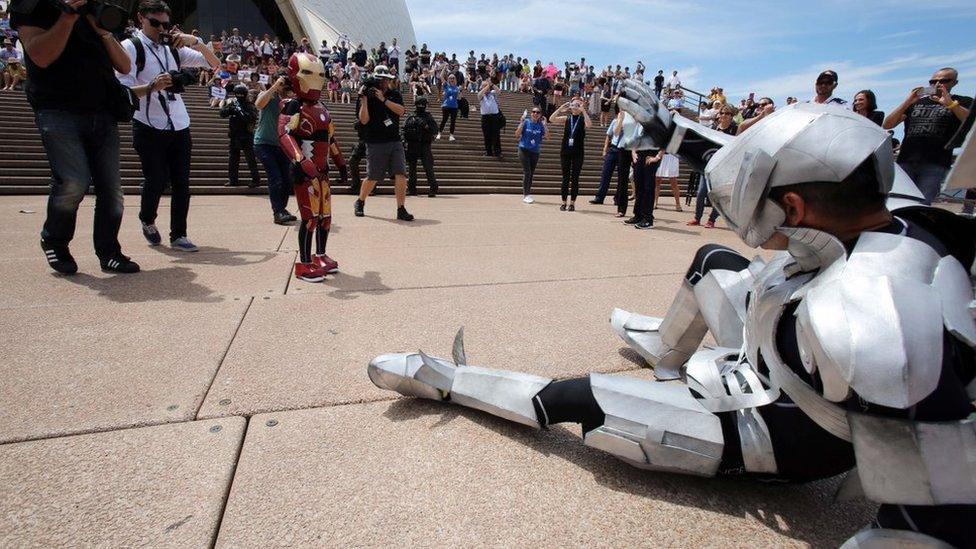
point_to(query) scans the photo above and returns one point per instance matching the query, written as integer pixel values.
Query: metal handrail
(701, 96)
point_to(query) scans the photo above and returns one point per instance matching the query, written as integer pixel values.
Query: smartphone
(926, 91)
(165, 38)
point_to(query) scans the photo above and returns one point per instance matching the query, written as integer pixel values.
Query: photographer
(491, 117)
(267, 147)
(70, 85)
(161, 126)
(418, 134)
(380, 109)
(243, 117)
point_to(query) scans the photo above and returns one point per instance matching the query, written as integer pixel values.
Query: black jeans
(529, 161)
(491, 128)
(572, 164)
(423, 153)
(700, 201)
(644, 186)
(358, 154)
(165, 158)
(609, 166)
(278, 168)
(447, 112)
(238, 144)
(82, 149)
(624, 160)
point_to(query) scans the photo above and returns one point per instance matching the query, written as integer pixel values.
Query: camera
(283, 73)
(180, 80)
(368, 86)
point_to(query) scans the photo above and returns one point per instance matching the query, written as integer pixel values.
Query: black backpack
(141, 54)
(413, 130)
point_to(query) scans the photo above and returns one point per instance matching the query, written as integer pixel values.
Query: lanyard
(159, 94)
(573, 122)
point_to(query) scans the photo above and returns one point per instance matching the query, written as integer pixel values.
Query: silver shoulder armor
(873, 323)
(885, 538)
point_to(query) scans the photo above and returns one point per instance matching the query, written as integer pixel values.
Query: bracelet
(953, 105)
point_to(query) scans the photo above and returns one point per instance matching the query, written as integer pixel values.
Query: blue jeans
(700, 202)
(82, 149)
(609, 165)
(278, 168)
(928, 177)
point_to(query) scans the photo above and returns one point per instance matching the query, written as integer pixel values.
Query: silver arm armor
(885, 538)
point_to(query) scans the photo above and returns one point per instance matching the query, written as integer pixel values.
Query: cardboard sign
(218, 92)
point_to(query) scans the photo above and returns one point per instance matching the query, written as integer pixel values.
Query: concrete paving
(158, 486)
(92, 358)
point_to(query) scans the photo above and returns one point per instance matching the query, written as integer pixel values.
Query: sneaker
(309, 272)
(572, 207)
(439, 136)
(326, 263)
(528, 199)
(562, 207)
(119, 263)
(693, 223)
(633, 220)
(709, 225)
(59, 258)
(283, 218)
(643, 225)
(359, 208)
(595, 201)
(183, 244)
(151, 233)
(403, 215)
(451, 138)
(231, 184)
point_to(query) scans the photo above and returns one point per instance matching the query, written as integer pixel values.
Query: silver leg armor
(716, 303)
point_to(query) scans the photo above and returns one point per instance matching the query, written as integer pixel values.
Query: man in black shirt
(418, 134)
(658, 83)
(931, 119)
(70, 85)
(240, 129)
(424, 57)
(380, 107)
(359, 56)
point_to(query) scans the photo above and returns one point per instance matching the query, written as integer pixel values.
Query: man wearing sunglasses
(161, 126)
(932, 115)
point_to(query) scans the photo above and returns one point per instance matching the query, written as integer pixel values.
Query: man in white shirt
(674, 82)
(161, 126)
(826, 83)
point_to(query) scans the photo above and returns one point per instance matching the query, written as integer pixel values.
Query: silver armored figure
(852, 349)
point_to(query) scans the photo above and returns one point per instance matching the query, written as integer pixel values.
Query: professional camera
(181, 79)
(368, 86)
(283, 73)
(110, 17)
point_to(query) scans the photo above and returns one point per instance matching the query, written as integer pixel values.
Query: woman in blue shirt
(530, 133)
(449, 108)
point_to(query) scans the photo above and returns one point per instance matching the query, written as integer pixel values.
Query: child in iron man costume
(308, 138)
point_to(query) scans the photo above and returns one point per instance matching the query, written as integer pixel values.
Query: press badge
(570, 142)
(387, 122)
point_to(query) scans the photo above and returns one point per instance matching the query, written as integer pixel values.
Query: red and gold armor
(307, 138)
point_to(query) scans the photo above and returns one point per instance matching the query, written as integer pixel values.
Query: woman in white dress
(668, 170)
(595, 94)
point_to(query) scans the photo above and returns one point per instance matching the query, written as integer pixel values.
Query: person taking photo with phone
(576, 121)
(70, 83)
(932, 115)
(161, 126)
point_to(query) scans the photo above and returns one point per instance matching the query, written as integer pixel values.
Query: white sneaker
(438, 136)
(451, 138)
(528, 199)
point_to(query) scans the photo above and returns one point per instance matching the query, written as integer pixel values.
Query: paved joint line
(223, 357)
(283, 237)
(291, 272)
(230, 484)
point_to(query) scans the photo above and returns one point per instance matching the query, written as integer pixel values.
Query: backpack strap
(141, 54)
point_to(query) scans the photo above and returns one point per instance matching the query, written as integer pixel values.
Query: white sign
(264, 79)
(244, 76)
(218, 92)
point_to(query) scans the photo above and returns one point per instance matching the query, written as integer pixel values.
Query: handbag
(122, 101)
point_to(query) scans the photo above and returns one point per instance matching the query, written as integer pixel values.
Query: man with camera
(380, 107)
(418, 134)
(70, 85)
(243, 116)
(161, 126)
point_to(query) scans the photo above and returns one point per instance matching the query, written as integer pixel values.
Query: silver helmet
(801, 143)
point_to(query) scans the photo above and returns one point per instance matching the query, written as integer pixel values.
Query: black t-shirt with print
(383, 126)
(659, 81)
(928, 128)
(77, 81)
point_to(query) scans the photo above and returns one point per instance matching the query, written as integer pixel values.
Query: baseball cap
(381, 71)
(828, 75)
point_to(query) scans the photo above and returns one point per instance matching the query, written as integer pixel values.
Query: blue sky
(771, 48)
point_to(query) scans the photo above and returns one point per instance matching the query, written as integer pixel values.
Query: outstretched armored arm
(694, 143)
(289, 120)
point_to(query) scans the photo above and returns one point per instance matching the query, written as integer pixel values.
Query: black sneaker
(359, 208)
(151, 233)
(403, 215)
(412, 192)
(595, 201)
(644, 225)
(59, 258)
(119, 263)
(284, 218)
(633, 220)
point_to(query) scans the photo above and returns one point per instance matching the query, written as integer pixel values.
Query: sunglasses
(156, 23)
(536, 112)
(935, 81)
